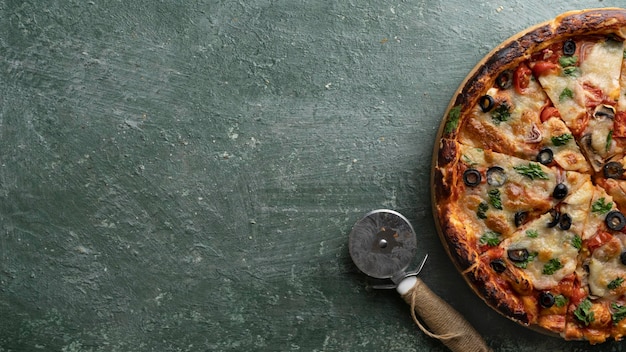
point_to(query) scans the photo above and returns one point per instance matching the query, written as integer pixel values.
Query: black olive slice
(555, 218)
(565, 222)
(505, 79)
(545, 156)
(560, 191)
(546, 299)
(622, 257)
(569, 47)
(498, 265)
(472, 177)
(613, 169)
(615, 220)
(518, 255)
(520, 218)
(496, 176)
(486, 103)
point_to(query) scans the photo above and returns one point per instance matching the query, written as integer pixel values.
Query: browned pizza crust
(447, 183)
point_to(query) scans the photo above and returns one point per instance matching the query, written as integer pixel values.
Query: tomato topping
(594, 95)
(541, 68)
(549, 112)
(521, 78)
(600, 238)
(619, 124)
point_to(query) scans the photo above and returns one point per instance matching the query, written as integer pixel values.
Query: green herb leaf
(524, 264)
(577, 242)
(501, 113)
(565, 94)
(600, 206)
(570, 71)
(532, 171)
(552, 266)
(562, 139)
(609, 139)
(619, 312)
(583, 312)
(453, 119)
(482, 210)
(566, 61)
(532, 233)
(494, 198)
(615, 283)
(490, 238)
(560, 301)
(468, 161)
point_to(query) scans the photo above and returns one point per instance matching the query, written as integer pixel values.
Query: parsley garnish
(615, 283)
(560, 301)
(482, 210)
(609, 139)
(494, 198)
(566, 61)
(619, 312)
(533, 171)
(552, 266)
(600, 206)
(577, 242)
(524, 264)
(501, 113)
(532, 233)
(583, 312)
(570, 71)
(562, 139)
(490, 238)
(453, 119)
(566, 93)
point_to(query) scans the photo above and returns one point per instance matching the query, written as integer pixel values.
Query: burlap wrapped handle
(443, 322)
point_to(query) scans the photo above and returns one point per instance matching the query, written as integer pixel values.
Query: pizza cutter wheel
(382, 245)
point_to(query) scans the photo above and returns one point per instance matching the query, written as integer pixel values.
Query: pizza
(529, 182)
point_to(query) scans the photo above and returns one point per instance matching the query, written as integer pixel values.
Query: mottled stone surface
(183, 175)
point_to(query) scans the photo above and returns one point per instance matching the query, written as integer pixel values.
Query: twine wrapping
(447, 324)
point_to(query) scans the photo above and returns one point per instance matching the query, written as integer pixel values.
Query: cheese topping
(552, 253)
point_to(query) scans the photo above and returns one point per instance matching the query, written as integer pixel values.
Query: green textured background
(183, 175)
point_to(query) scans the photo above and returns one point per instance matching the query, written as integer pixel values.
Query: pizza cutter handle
(443, 322)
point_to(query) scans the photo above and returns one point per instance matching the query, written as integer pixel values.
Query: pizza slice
(582, 78)
(543, 255)
(594, 311)
(500, 193)
(515, 117)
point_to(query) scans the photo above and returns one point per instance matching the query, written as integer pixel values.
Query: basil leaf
(532, 171)
(490, 238)
(615, 283)
(501, 113)
(600, 206)
(565, 94)
(453, 119)
(494, 198)
(619, 312)
(562, 139)
(583, 312)
(482, 210)
(552, 266)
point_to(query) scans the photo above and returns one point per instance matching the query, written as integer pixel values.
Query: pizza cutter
(382, 245)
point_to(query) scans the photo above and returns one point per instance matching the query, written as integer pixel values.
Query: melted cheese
(551, 244)
(601, 67)
(605, 267)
